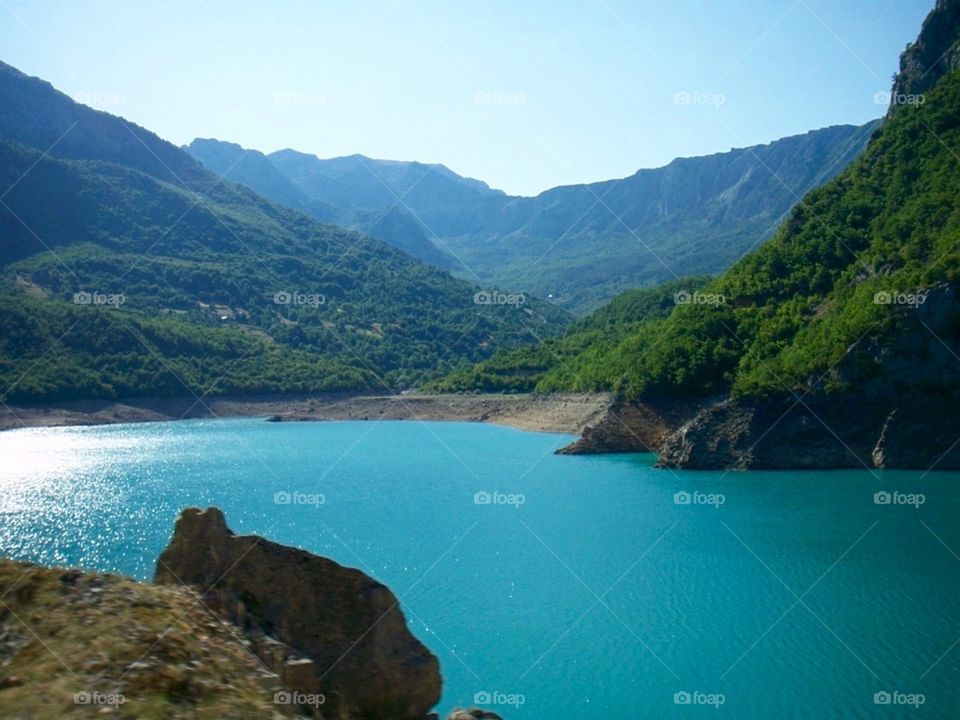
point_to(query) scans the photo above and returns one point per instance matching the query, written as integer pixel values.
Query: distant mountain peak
(36, 114)
(396, 226)
(199, 142)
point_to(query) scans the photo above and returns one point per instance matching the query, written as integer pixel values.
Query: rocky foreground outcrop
(473, 714)
(76, 645)
(331, 633)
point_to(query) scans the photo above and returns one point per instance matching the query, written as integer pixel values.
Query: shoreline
(559, 413)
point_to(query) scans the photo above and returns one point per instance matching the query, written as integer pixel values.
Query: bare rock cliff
(631, 426)
(935, 53)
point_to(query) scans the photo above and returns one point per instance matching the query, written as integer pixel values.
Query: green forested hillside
(60, 351)
(201, 281)
(862, 267)
(886, 229)
(582, 359)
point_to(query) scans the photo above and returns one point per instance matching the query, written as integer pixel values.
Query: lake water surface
(549, 586)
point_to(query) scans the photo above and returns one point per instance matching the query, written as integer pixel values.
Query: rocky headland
(818, 431)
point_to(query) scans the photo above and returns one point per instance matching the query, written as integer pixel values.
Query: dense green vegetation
(888, 228)
(201, 264)
(889, 225)
(584, 358)
(222, 291)
(56, 351)
(580, 244)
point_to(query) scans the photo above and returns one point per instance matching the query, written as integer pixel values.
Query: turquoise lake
(586, 588)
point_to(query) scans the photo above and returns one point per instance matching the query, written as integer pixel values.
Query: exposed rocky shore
(875, 426)
(630, 427)
(567, 413)
(817, 432)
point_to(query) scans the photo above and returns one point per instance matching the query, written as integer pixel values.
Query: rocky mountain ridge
(696, 214)
(934, 54)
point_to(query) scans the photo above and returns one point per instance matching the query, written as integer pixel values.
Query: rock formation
(935, 52)
(890, 412)
(106, 645)
(873, 426)
(780, 434)
(327, 630)
(631, 426)
(848, 432)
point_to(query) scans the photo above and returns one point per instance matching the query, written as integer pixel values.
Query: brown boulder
(348, 637)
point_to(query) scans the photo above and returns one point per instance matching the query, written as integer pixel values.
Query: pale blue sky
(525, 95)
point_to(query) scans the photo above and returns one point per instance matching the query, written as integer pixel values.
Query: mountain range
(128, 269)
(578, 245)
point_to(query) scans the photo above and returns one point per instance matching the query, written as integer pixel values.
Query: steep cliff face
(327, 630)
(934, 54)
(737, 435)
(872, 431)
(817, 433)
